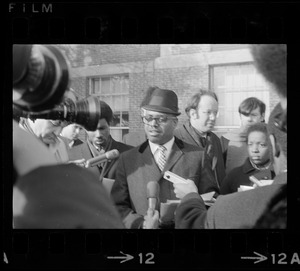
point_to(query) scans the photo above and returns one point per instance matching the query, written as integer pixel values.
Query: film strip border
(149, 22)
(163, 249)
(163, 23)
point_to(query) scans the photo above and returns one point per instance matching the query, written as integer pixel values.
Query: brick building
(120, 74)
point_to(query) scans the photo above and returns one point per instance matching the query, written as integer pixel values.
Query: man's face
(204, 118)
(258, 148)
(71, 131)
(100, 137)
(47, 130)
(253, 117)
(159, 133)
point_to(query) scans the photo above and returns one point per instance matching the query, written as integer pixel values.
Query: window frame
(111, 95)
(212, 87)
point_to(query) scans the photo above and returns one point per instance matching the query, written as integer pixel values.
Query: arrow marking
(125, 258)
(260, 257)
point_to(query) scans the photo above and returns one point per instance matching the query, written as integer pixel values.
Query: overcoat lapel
(146, 170)
(110, 163)
(150, 171)
(149, 167)
(175, 154)
(192, 134)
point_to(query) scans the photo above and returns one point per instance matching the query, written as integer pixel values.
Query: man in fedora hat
(161, 152)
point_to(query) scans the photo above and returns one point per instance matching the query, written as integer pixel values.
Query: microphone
(152, 195)
(112, 154)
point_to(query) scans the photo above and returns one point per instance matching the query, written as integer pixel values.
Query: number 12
(149, 260)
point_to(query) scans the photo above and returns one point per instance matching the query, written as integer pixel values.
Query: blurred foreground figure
(48, 132)
(51, 196)
(47, 195)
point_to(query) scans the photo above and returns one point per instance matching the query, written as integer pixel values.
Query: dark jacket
(84, 151)
(234, 148)
(62, 197)
(137, 167)
(233, 211)
(240, 176)
(212, 151)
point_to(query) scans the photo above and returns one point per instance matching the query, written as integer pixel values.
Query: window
(222, 47)
(233, 84)
(114, 90)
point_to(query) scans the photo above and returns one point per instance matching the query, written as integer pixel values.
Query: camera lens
(40, 78)
(85, 112)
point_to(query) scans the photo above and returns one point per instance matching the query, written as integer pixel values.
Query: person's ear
(193, 113)
(275, 146)
(175, 122)
(263, 117)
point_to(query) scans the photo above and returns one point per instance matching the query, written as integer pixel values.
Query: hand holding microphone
(152, 218)
(79, 162)
(110, 155)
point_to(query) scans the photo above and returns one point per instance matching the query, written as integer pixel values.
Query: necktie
(203, 141)
(161, 157)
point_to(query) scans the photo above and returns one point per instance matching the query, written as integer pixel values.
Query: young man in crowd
(99, 142)
(258, 163)
(251, 111)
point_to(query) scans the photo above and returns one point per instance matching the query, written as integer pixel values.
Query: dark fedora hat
(161, 100)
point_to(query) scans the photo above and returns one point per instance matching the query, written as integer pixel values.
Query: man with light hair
(262, 207)
(202, 110)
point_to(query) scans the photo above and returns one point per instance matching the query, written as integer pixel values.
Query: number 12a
(282, 259)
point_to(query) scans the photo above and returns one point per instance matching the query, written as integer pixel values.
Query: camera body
(40, 81)
(40, 77)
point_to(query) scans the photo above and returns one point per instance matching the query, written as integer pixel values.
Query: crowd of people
(244, 170)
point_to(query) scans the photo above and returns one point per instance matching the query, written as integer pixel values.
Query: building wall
(184, 81)
(82, 55)
(183, 68)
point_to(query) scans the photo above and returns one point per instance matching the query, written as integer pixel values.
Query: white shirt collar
(168, 146)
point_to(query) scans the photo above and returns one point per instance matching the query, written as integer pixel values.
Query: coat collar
(175, 154)
(177, 142)
(247, 167)
(106, 166)
(191, 130)
(148, 159)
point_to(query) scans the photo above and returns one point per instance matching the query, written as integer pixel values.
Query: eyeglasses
(211, 113)
(158, 120)
(280, 121)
